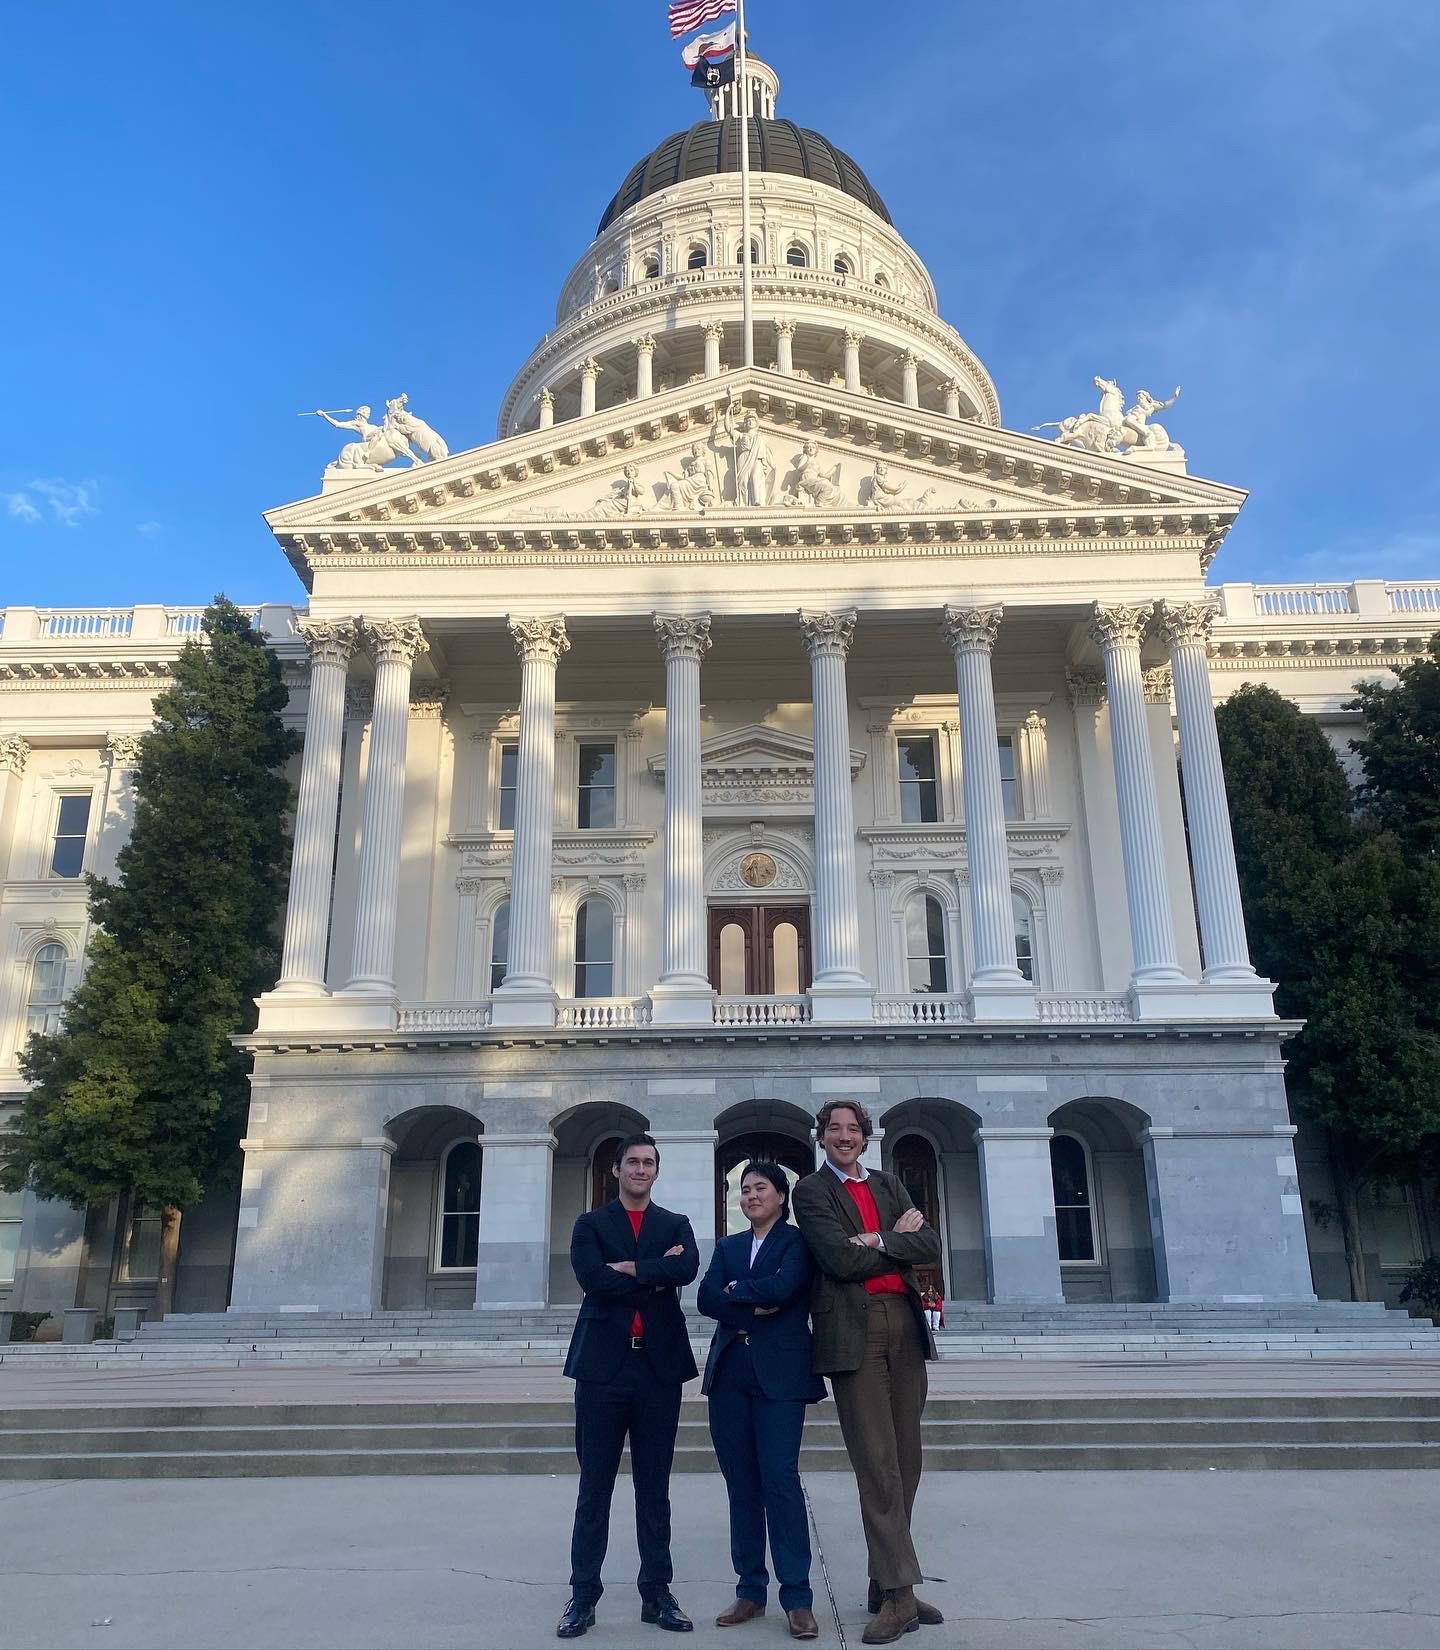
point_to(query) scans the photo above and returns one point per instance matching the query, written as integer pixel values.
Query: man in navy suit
(759, 1377)
(629, 1358)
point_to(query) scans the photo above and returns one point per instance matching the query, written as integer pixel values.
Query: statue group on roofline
(397, 435)
(1114, 430)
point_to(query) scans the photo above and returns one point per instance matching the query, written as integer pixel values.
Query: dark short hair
(777, 1178)
(862, 1117)
(635, 1140)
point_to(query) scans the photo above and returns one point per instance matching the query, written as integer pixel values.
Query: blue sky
(218, 215)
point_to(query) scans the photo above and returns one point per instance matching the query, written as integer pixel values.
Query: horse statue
(1097, 432)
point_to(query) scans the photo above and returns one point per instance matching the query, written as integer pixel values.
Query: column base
(848, 1002)
(523, 1008)
(1189, 1000)
(682, 1003)
(1000, 1000)
(283, 1014)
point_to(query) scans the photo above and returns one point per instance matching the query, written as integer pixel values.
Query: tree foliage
(140, 1089)
(1400, 752)
(1345, 916)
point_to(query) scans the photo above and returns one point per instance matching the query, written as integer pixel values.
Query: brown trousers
(880, 1405)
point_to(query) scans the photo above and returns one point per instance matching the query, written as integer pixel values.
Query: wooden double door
(760, 950)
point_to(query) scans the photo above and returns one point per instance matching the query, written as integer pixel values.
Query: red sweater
(889, 1283)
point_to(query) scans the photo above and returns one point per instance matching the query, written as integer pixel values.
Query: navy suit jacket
(780, 1342)
(601, 1342)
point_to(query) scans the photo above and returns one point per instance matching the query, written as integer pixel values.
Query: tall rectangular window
(11, 1204)
(1009, 782)
(509, 767)
(140, 1259)
(919, 792)
(595, 804)
(72, 823)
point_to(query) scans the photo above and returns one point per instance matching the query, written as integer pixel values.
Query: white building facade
(717, 741)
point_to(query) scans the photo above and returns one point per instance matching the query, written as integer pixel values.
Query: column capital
(909, 359)
(330, 641)
(952, 386)
(122, 750)
(543, 639)
(1156, 682)
(1182, 622)
(828, 633)
(683, 636)
(590, 367)
(1086, 687)
(393, 641)
(714, 329)
(645, 344)
(971, 629)
(13, 751)
(1118, 624)
(546, 398)
(853, 338)
(785, 329)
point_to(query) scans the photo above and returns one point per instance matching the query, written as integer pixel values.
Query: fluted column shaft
(394, 645)
(837, 924)
(312, 854)
(714, 332)
(644, 368)
(590, 370)
(1185, 628)
(910, 379)
(1117, 630)
(684, 641)
(540, 643)
(547, 409)
(784, 348)
(853, 341)
(971, 633)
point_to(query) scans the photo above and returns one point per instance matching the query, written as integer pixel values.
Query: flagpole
(743, 109)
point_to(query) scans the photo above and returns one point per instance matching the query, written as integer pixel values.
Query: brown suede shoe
(928, 1614)
(896, 1616)
(741, 1611)
(803, 1624)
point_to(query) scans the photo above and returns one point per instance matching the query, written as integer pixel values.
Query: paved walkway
(1029, 1561)
(990, 1378)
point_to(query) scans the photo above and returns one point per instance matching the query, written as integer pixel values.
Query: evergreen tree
(1348, 925)
(1400, 752)
(140, 1091)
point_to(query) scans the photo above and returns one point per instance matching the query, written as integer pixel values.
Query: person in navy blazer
(759, 1377)
(629, 1358)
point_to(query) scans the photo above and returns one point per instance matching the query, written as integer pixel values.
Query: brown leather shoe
(896, 1616)
(803, 1624)
(929, 1616)
(741, 1611)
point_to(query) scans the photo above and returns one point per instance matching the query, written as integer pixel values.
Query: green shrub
(1422, 1285)
(24, 1324)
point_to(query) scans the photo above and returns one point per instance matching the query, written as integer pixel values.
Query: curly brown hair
(862, 1117)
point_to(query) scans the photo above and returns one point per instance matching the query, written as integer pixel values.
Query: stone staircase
(402, 1437)
(1087, 1333)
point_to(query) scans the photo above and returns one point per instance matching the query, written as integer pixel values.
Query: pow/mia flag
(708, 75)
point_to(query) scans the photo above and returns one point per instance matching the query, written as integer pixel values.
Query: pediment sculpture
(1113, 429)
(397, 436)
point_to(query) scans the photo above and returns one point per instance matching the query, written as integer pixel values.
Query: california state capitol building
(715, 741)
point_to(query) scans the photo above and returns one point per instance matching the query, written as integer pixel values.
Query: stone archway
(429, 1241)
(582, 1178)
(930, 1144)
(757, 1130)
(1102, 1212)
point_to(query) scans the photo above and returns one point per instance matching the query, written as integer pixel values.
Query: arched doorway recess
(583, 1178)
(930, 1145)
(759, 1131)
(1102, 1211)
(432, 1219)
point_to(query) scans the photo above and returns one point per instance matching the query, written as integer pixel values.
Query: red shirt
(889, 1283)
(637, 1219)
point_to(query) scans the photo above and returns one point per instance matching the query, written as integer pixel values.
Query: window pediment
(757, 768)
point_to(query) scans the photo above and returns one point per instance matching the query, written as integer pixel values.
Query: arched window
(458, 1240)
(47, 991)
(843, 266)
(881, 278)
(499, 944)
(754, 253)
(594, 949)
(796, 256)
(785, 958)
(925, 945)
(1074, 1204)
(650, 268)
(697, 259)
(1024, 940)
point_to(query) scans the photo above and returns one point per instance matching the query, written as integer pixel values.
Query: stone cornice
(1239, 652)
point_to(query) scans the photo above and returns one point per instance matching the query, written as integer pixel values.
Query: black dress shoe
(663, 1611)
(576, 1620)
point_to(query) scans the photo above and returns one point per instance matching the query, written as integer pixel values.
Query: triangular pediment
(750, 457)
(757, 768)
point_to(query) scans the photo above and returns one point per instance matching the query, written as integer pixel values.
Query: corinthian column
(839, 990)
(998, 990)
(312, 855)
(1185, 630)
(784, 348)
(644, 368)
(952, 398)
(527, 993)
(910, 378)
(547, 409)
(714, 333)
(683, 992)
(590, 370)
(853, 341)
(13, 751)
(1117, 631)
(394, 645)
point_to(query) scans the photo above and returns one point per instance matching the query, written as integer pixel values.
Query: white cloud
(1404, 557)
(150, 529)
(20, 507)
(70, 501)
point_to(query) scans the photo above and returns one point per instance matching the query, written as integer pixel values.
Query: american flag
(690, 14)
